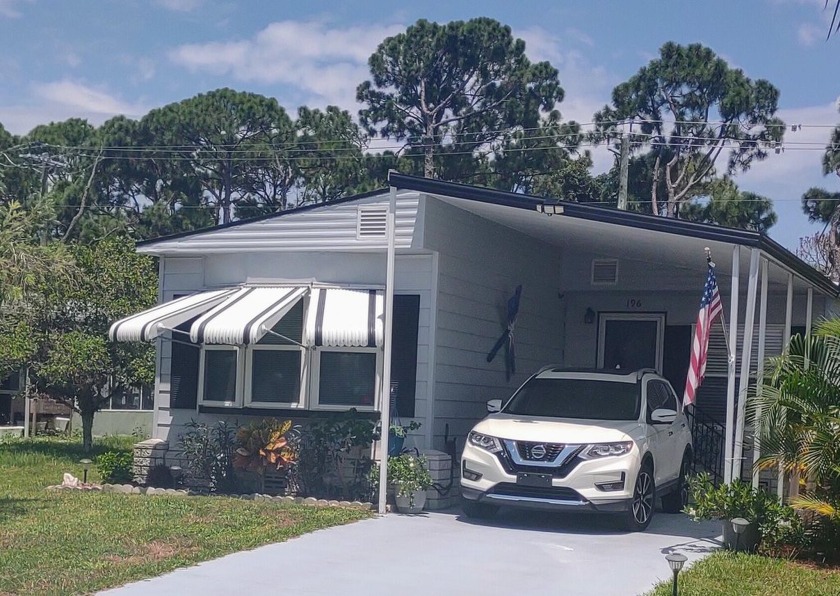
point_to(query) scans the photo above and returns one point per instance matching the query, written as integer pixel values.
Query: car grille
(527, 452)
(537, 492)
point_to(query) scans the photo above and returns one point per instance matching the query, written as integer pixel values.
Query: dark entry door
(630, 341)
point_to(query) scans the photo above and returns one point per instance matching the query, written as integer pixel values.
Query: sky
(97, 59)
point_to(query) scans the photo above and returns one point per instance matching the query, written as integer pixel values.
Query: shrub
(209, 453)
(329, 465)
(160, 476)
(115, 467)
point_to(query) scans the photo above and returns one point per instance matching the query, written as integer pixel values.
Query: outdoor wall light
(676, 562)
(739, 525)
(85, 466)
(589, 316)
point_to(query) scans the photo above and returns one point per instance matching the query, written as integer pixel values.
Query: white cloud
(810, 33)
(322, 61)
(85, 99)
(180, 5)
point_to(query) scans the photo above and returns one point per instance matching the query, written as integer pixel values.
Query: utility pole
(623, 167)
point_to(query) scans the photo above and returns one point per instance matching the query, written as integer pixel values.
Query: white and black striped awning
(345, 318)
(337, 317)
(246, 316)
(149, 324)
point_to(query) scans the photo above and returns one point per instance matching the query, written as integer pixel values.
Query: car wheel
(676, 501)
(476, 510)
(641, 509)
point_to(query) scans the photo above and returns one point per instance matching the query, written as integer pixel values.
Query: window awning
(245, 316)
(345, 318)
(149, 324)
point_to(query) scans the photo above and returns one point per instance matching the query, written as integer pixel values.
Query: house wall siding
(330, 228)
(480, 265)
(186, 275)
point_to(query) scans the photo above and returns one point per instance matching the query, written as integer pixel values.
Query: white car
(581, 440)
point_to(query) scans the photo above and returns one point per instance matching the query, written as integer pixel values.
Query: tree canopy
(687, 108)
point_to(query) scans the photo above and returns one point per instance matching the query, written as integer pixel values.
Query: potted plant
(410, 477)
(397, 434)
(736, 500)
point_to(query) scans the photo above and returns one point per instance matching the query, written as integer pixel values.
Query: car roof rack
(643, 371)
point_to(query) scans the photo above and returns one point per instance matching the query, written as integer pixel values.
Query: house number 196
(634, 303)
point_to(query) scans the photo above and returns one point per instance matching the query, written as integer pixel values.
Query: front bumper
(558, 502)
(574, 488)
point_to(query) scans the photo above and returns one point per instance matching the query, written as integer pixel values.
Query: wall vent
(604, 272)
(372, 222)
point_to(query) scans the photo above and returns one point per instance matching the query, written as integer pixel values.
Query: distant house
(283, 314)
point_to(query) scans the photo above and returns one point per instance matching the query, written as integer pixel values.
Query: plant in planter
(410, 477)
(397, 434)
(738, 499)
(265, 444)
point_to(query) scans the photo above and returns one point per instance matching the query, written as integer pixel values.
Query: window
(347, 378)
(404, 354)
(659, 396)
(585, 399)
(135, 398)
(220, 376)
(275, 362)
(183, 371)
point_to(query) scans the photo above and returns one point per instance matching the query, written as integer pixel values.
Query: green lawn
(59, 542)
(725, 574)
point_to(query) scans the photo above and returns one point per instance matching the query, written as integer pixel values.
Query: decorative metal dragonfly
(506, 338)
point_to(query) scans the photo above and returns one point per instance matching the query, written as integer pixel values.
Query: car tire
(642, 506)
(676, 500)
(476, 510)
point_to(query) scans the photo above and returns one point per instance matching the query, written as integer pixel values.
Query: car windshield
(587, 399)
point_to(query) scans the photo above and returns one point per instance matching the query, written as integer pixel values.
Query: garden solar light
(85, 466)
(676, 562)
(739, 525)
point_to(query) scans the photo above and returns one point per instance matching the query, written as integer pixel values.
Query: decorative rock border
(172, 492)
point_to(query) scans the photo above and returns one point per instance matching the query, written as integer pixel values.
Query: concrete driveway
(445, 553)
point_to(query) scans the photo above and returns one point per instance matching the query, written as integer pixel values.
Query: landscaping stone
(323, 503)
(334, 503)
(135, 490)
(345, 503)
(310, 501)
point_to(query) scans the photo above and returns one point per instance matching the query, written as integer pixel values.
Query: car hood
(554, 430)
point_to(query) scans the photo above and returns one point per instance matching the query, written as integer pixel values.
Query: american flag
(710, 308)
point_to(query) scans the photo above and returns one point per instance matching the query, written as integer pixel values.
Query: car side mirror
(494, 405)
(663, 416)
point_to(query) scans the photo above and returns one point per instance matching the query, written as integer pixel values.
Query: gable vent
(372, 222)
(604, 272)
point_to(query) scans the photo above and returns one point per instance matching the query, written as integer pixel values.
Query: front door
(630, 341)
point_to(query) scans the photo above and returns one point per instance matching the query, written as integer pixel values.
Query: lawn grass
(727, 574)
(60, 542)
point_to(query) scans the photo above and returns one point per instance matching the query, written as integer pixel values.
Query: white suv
(582, 440)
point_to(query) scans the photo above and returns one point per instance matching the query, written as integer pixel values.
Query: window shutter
(183, 378)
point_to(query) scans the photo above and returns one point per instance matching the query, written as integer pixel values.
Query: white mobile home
(282, 314)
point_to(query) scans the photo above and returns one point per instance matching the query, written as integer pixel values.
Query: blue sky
(95, 59)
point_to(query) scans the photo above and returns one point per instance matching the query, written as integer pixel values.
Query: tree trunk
(429, 159)
(227, 191)
(87, 431)
(654, 186)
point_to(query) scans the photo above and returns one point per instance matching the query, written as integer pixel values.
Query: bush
(209, 453)
(160, 476)
(329, 465)
(115, 467)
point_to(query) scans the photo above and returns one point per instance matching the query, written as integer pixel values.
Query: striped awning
(345, 318)
(246, 315)
(149, 324)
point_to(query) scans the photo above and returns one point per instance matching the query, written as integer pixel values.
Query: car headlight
(600, 450)
(486, 442)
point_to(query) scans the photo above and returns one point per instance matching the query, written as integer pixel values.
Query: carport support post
(780, 486)
(746, 358)
(385, 394)
(730, 377)
(762, 337)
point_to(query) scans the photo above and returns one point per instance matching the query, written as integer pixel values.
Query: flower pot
(411, 503)
(748, 541)
(395, 444)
